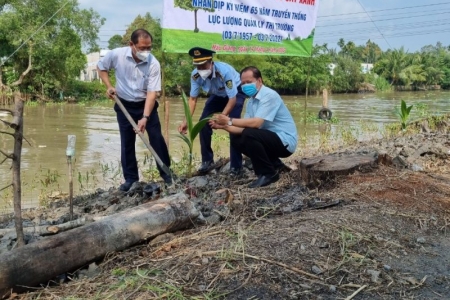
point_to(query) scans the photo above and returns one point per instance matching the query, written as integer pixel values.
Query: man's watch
(146, 117)
(230, 122)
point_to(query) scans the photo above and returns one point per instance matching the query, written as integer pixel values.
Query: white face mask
(204, 73)
(142, 55)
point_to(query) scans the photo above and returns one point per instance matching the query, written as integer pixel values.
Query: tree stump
(316, 170)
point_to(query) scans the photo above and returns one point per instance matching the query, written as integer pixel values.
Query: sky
(390, 23)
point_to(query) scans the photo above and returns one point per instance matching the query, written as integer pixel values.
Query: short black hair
(140, 33)
(256, 72)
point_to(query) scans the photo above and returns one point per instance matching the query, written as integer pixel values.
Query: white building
(365, 68)
(90, 70)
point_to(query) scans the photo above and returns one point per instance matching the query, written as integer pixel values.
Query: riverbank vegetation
(56, 67)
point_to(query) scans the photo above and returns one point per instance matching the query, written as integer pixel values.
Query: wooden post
(325, 98)
(17, 184)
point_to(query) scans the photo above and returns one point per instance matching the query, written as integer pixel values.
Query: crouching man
(267, 131)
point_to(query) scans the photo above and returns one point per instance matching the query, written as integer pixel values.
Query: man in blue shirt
(138, 79)
(267, 131)
(222, 83)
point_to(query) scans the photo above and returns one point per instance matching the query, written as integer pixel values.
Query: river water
(97, 161)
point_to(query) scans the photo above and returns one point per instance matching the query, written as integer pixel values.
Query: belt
(132, 104)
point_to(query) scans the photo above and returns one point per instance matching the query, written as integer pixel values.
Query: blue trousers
(216, 104)
(128, 139)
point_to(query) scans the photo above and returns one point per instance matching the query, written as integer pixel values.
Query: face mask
(204, 73)
(250, 89)
(142, 55)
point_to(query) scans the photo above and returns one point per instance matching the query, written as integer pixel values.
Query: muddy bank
(381, 235)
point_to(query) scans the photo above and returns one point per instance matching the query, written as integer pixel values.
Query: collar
(256, 96)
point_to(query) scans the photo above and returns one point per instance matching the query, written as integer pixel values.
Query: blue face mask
(250, 89)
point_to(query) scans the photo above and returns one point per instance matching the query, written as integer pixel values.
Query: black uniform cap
(200, 55)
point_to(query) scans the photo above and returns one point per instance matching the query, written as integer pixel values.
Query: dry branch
(356, 292)
(4, 188)
(24, 73)
(10, 155)
(6, 132)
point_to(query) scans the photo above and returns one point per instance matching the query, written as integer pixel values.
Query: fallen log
(44, 230)
(43, 260)
(316, 170)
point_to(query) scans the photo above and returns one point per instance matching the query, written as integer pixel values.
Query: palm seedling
(192, 130)
(404, 113)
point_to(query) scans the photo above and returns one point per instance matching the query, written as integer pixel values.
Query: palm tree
(392, 64)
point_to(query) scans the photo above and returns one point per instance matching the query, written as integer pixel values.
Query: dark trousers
(216, 104)
(264, 148)
(128, 139)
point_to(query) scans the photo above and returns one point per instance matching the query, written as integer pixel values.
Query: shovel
(142, 136)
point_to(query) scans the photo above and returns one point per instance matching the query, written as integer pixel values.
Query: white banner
(279, 27)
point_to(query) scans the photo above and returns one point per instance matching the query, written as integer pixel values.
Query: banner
(264, 27)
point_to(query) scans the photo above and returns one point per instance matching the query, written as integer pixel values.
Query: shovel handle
(142, 136)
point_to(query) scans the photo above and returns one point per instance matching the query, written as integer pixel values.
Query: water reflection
(98, 145)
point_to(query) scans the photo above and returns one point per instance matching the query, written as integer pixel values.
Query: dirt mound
(378, 235)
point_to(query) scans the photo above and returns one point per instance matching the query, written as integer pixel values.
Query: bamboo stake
(69, 163)
(70, 152)
(17, 182)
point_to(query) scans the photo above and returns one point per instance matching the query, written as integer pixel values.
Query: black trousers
(263, 147)
(128, 138)
(216, 104)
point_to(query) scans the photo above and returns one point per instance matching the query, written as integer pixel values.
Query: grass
(180, 40)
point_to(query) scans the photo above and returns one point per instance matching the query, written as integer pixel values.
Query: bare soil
(376, 235)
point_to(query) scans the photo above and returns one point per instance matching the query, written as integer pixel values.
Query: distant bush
(84, 90)
(381, 84)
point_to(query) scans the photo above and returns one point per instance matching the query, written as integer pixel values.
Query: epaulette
(195, 76)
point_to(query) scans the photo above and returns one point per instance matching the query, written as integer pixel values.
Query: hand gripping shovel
(142, 136)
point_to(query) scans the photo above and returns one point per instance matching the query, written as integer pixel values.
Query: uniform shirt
(223, 82)
(133, 80)
(268, 105)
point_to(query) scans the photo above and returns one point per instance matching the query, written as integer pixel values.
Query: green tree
(371, 52)
(391, 64)
(347, 75)
(187, 5)
(152, 25)
(115, 42)
(57, 55)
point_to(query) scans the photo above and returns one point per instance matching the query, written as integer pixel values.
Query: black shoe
(280, 167)
(236, 172)
(152, 188)
(206, 166)
(125, 187)
(167, 180)
(264, 180)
